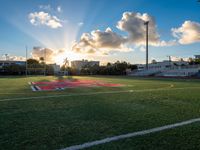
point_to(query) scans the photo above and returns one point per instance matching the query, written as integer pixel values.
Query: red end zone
(63, 84)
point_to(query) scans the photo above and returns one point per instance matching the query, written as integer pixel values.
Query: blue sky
(75, 17)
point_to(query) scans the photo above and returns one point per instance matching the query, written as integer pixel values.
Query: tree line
(117, 68)
(34, 67)
(194, 61)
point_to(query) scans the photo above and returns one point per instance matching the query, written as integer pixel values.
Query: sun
(59, 59)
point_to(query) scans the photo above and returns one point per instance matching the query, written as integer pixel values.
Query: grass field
(78, 115)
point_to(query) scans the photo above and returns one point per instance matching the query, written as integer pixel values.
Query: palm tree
(7, 56)
(41, 59)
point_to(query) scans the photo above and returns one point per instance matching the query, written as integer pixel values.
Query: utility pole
(147, 46)
(26, 61)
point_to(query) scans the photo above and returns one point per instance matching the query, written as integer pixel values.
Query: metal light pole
(147, 46)
(26, 61)
(45, 62)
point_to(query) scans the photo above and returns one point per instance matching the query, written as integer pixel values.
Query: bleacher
(179, 72)
(169, 72)
(145, 73)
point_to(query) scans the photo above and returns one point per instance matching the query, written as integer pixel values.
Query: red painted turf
(62, 84)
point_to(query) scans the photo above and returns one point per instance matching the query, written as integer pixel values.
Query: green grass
(59, 122)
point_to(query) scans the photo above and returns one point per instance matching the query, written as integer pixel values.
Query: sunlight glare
(70, 55)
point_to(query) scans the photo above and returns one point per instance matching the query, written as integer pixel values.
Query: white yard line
(130, 135)
(94, 93)
(12, 93)
(33, 89)
(64, 95)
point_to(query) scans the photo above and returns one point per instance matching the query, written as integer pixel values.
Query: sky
(106, 30)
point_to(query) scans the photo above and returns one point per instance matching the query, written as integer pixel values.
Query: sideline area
(75, 117)
(131, 135)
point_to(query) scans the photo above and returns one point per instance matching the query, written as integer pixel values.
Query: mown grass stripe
(130, 135)
(94, 93)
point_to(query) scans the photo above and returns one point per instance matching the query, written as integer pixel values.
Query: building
(166, 64)
(79, 64)
(197, 56)
(167, 68)
(56, 68)
(11, 62)
(6, 63)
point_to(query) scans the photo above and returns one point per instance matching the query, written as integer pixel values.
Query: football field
(104, 113)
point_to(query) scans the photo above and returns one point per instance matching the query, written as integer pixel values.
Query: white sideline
(130, 135)
(94, 93)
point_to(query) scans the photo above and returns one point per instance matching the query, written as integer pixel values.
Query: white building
(164, 65)
(56, 68)
(167, 68)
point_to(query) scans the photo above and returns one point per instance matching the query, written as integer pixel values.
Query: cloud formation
(47, 53)
(133, 24)
(42, 18)
(80, 24)
(59, 9)
(12, 57)
(45, 7)
(97, 40)
(188, 33)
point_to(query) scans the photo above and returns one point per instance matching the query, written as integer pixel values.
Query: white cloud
(12, 57)
(45, 7)
(59, 9)
(175, 58)
(42, 18)
(39, 52)
(142, 49)
(188, 33)
(80, 24)
(102, 41)
(133, 24)
(48, 8)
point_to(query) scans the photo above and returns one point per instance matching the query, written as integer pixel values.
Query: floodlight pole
(26, 61)
(147, 46)
(45, 62)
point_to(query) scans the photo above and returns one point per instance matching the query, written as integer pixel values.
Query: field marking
(33, 89)
(12, 93)
(94, 93)
(131, 135)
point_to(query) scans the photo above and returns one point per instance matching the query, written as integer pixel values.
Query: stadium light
(147, 47)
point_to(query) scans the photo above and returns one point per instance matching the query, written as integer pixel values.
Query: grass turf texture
(59, 122)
